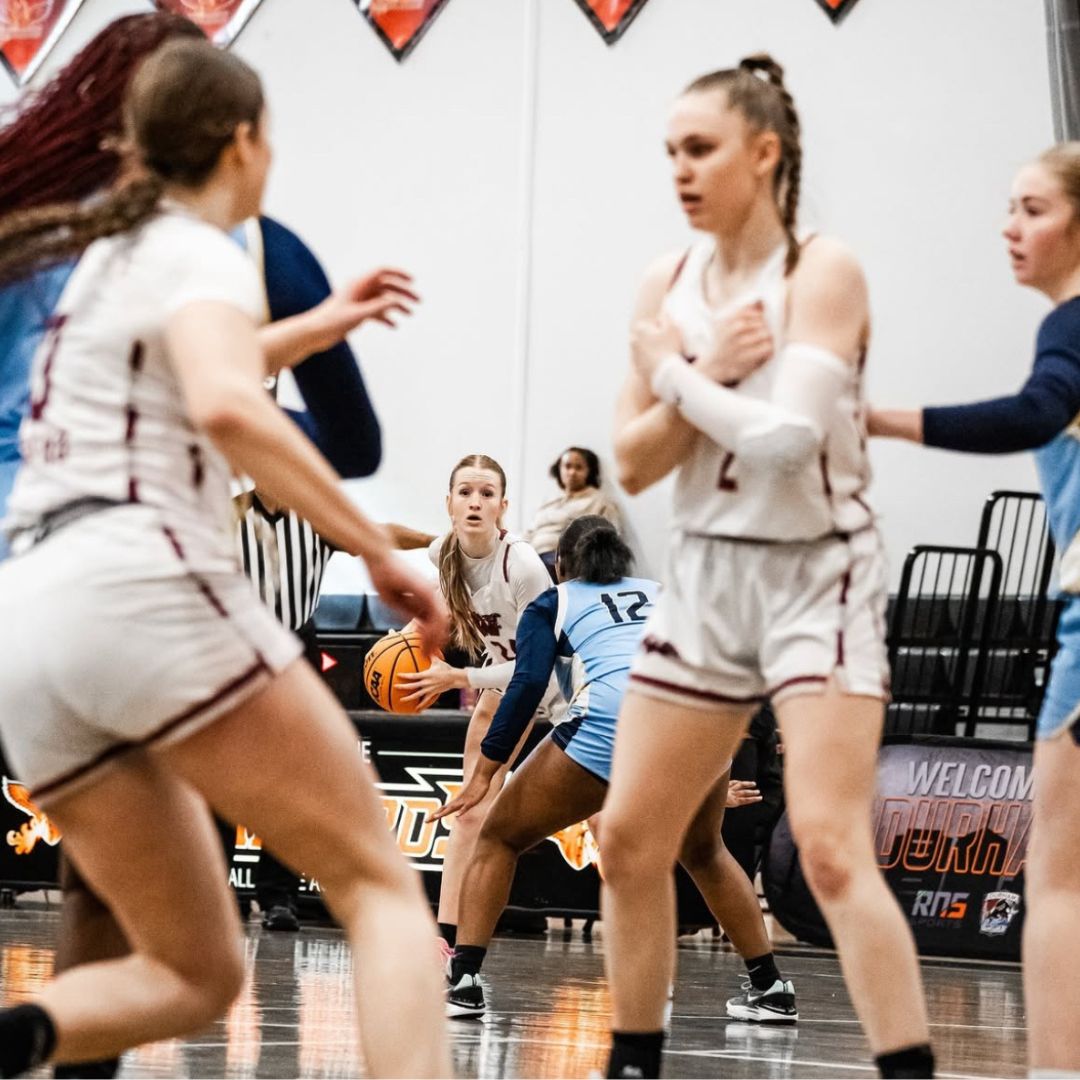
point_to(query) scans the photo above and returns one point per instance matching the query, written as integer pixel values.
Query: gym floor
(548, 1009)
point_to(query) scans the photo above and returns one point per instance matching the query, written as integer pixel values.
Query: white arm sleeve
(779, 434)
(495, 677)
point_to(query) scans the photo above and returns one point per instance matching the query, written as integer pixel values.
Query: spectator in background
(577, 472)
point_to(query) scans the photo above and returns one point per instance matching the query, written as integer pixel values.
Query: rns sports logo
(940, 905)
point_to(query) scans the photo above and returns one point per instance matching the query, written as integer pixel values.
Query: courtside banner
(418, 760)
(220, 20)
(28, 31)
(952, 822)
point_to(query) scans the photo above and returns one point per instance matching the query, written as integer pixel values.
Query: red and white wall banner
(28, 31)
(220, 20)
(836, 9)
(611, 17)
(400, 23)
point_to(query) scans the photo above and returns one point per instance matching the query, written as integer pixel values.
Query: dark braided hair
(756, 88)
(181, 111)
(591, 549)
(61, 143)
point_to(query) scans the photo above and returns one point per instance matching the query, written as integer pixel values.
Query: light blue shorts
(1061, 705)
(589, 741)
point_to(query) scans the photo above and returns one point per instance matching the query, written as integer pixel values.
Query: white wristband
(665, 380)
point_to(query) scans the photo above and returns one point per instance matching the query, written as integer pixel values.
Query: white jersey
(713, 497)
(108, 418)
(502, 585)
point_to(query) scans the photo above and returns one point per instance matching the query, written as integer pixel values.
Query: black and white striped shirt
(284, 558)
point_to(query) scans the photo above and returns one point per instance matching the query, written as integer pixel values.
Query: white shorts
(739, 622)
(114, 636)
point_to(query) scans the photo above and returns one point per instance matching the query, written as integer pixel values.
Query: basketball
(391, 656)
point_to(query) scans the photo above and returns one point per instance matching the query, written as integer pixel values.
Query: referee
(284, 557)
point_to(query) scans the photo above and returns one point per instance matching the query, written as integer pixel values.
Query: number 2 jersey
(713, 497)
(588, 635)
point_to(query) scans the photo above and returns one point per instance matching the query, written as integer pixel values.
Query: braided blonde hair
(455, 590)
(756, 88)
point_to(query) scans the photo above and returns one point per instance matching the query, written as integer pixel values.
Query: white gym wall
(514, 164)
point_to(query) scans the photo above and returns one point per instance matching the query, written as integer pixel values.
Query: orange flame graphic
(578, 846)
(39, 827)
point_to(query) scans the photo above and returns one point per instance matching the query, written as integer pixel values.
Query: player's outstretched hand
(742, 793)
(382, 296)
(743, 343)
(412, 595)
(472, 793)
(895, 424)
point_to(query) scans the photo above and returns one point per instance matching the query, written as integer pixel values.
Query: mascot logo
(39, 827)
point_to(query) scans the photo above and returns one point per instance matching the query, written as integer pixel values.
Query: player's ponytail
(591, 550)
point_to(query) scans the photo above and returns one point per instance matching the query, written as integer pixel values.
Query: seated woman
(577, 472)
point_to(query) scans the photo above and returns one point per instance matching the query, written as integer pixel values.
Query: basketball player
(588, 628)
(488, 578)
(774, 585)
(1042, 231)
(144, 673)
(62, 144)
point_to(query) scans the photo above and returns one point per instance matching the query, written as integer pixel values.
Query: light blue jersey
(25, 307)
(588, 634)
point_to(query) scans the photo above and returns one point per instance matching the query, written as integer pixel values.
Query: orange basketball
(388, 658)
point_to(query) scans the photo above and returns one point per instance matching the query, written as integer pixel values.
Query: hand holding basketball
(387, 660)
(423, 687)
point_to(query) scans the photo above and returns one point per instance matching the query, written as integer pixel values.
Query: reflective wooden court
(548, 1012)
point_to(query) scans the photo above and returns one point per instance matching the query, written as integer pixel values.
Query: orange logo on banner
(39, 827)
(219, 20)
(28, 30)
(611, 17)
(836, 9)
(400, 23)
(578, 846)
